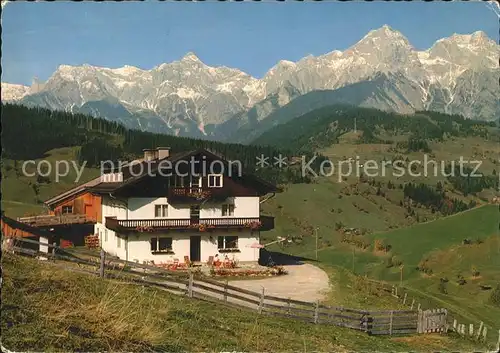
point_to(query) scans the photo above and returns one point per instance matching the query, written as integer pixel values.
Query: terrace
(54, 220)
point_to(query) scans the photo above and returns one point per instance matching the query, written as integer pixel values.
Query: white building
(192, 205)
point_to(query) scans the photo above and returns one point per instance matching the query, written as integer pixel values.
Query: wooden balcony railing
(190, 194)
(53, 220)
(185, 223)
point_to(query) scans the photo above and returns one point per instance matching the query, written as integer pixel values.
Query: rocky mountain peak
(185, 94)
(13, 92)
(386, 33)
(191, 57)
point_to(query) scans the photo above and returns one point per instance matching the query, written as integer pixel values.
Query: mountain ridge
(189, 98)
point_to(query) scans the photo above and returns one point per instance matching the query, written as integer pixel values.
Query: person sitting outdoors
(217, 261)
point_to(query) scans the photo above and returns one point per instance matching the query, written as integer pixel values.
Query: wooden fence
(195, 285)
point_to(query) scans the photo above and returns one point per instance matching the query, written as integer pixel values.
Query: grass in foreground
(46, 308)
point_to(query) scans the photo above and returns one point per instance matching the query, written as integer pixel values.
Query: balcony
(195, 194)
(55, 220)
(203, 224)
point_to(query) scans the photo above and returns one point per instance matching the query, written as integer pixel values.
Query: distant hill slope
(388, 92)
(322, 127)
(35, 133)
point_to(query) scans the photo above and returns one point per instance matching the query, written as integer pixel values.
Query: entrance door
(195, 248)
(194, 214)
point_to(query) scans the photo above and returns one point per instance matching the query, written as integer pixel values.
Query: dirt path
(303, 282)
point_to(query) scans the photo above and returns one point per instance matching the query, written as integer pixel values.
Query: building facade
(166, 208)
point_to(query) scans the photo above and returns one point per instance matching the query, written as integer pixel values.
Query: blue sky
(38, 37)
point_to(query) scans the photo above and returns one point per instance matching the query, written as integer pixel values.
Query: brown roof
(73, 191)
(95, 186)
(105, 188)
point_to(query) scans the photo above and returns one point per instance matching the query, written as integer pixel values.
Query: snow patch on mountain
(187, 94)
(13, 92)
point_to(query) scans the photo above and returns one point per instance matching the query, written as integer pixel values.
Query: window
(118, 241)
(161, 245)
(227, 210)
(105, 235)
(194, 212)
(227, 243)
(67, 209)
(178, 181)
(195, 181)
(161, 211)
(215, 180)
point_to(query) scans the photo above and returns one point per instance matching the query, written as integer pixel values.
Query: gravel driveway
(303, 282)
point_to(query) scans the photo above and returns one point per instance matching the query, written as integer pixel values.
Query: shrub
(339, 225)
(495, 296)
(381, 246)
(397, 261)
(442, 287)
(42, 179)
(424, 267)
(475, 272)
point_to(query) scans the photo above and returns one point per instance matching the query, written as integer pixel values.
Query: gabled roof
(72, 192)
(98, 187)
(262, 185)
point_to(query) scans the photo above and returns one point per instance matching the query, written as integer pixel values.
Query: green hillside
(323, 127)
(437, 226)
(41, 134)
(429, 252)
(53, 309)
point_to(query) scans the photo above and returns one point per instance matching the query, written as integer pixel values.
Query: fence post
(498, 343)
(485, 332)
(390, 324)
(404, 300)
(225, 291)
(418, 306)
(412, 303)
(471, 330)
(103, 259)
(420, 323)
(316, 311)
(190, 285)
(54, 251)
(261, 303)
(455, 325)
(397, 292)
(369, 324)
(479, 330)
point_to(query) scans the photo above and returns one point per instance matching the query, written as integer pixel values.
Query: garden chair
(210, 261)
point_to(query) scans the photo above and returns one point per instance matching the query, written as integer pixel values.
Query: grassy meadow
(53, 309)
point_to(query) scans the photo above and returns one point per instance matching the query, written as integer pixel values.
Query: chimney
(163, 152)
(150, 154)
